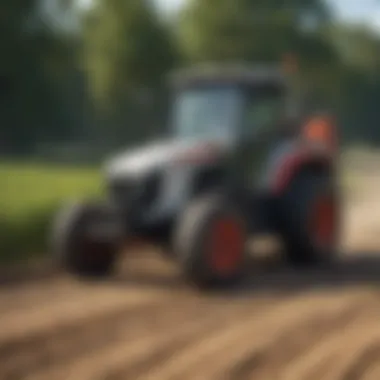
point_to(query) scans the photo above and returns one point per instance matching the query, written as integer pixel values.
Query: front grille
(135, 194)
(149, 190)
(121, 191)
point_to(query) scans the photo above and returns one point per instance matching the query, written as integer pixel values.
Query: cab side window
(264, 110)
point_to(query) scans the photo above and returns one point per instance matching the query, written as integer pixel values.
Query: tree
(125, 48)
(31, 57)
(359, 49)
(245, 29)
(262, 32)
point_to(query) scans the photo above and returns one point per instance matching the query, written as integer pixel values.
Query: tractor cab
(235, 104)
(246, 109)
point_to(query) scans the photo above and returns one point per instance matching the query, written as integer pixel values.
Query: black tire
(296, 206)
(74, 250)
(191, 239)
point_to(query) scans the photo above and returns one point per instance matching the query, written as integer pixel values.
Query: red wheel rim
(226, 246)
(323, 222)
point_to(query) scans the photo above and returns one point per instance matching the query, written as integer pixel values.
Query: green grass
(30, 194)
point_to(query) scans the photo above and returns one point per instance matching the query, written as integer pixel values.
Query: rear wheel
(311, 220)
(86, 239)
(210, 243)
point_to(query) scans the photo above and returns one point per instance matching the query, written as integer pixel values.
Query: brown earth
(147, 324)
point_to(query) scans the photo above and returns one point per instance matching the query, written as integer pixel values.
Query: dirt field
(146, 324)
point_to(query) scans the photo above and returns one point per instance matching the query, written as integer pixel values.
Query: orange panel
(321, 129)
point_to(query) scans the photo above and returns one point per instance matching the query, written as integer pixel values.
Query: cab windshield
(207, 112)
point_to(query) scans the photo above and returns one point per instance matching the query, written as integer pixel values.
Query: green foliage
(29, 197)
(263, 32)
(35, 62)
(244, 30)
(126, 47)
(358, 47)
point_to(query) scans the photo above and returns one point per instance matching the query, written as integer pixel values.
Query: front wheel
(86, 238)
(310, 214)
(210, 242)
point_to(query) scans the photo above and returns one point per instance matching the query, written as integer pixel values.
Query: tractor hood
(164, 153)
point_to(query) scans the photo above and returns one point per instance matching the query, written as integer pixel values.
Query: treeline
(95, 78)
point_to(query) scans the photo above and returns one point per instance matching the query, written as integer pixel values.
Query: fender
(292, 163)
(316, 147)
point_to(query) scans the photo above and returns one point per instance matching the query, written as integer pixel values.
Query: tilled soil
(145, 323)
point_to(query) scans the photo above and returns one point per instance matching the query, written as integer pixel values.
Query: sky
(367, 11)
(170, 5)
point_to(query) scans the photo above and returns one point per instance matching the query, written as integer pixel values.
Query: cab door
(260, 130)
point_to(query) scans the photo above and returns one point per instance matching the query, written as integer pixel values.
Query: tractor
(237, 160)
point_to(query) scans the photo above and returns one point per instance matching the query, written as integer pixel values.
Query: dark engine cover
(131, 195)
